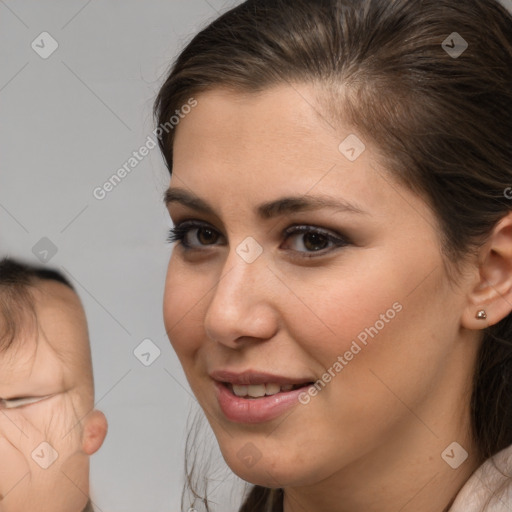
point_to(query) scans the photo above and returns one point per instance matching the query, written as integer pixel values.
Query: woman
(341, 292)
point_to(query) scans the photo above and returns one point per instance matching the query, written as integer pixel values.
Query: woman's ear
(94, 433)
(492, 292)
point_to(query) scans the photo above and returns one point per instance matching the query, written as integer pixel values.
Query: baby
(48, 425)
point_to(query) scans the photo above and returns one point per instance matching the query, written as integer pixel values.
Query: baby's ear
(95, 430)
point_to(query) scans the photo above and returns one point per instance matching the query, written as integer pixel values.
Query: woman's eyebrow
(269, 209)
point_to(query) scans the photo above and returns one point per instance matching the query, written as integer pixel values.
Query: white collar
(488, 486)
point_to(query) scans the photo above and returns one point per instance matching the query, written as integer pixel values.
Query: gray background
(68, 122)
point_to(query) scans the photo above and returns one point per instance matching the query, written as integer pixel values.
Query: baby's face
(48, 427)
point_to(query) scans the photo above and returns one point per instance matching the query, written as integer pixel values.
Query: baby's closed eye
(11, 403)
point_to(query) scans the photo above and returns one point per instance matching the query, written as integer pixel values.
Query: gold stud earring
(481, 315)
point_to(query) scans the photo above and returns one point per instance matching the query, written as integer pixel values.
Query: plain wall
(68, 123)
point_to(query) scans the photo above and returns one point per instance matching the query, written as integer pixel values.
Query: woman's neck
(406, 474)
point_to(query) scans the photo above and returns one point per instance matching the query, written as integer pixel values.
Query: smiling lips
(255, 397)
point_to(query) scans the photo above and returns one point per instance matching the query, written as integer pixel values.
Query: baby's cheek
(57, 422)
(40, 415)
(13, 466)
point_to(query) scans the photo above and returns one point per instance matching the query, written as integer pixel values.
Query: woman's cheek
(182, 312)
(347, 320)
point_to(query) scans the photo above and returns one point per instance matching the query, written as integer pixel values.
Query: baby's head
(48, 425)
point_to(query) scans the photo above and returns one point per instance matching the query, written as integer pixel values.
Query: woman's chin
(261, 476)
(269, 472)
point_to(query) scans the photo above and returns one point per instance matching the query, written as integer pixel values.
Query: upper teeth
(258, 390)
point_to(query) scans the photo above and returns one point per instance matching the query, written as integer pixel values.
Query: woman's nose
(242, 305)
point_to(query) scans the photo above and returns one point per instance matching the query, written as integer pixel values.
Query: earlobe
(472, 318)
(94, 433)
(493, 290)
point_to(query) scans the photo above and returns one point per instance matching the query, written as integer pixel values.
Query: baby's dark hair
(16, 300)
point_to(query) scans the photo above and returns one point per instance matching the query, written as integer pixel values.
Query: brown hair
(442, 122)
(16, 300)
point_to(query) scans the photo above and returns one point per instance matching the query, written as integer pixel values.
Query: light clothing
(488, 489)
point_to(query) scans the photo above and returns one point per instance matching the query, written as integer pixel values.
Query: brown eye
(207, 236)
(193, 235)
(307, 240)
(315, 241)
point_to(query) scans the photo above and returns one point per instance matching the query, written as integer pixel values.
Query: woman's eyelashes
(309, 241)
(204, 234)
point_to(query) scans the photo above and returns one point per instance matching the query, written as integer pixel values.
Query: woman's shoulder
(489, 488)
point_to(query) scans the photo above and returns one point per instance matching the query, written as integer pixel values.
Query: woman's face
(276, 289)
